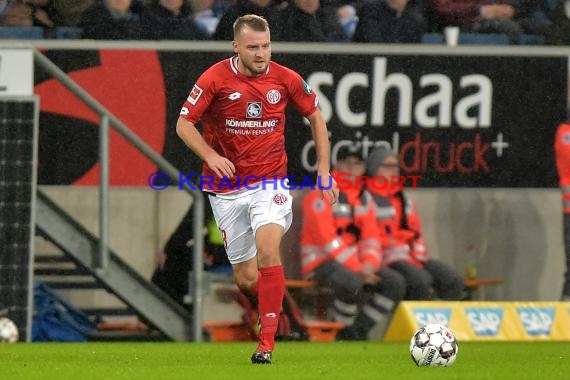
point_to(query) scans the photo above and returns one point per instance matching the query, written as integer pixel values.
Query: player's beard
(257, 68)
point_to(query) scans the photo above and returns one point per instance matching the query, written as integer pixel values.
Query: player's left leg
(270, 213)
(271, 285)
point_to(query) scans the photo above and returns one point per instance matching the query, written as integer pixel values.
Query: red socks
(271, 290)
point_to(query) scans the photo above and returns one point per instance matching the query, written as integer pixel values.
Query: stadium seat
(468, 39)
(67, 33)
(483, 39)
(433, 38)
(531, 39)
(21, 32)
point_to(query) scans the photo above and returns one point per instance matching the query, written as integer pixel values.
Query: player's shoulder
(281, 71)
(220, 69)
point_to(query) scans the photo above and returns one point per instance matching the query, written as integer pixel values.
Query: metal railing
(110, 120)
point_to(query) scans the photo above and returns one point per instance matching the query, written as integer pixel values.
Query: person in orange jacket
(340, 250)
(562, 154)
(401, 234)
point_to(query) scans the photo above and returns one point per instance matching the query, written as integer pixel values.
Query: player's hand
(221, 166)
(328, 188)
(369, 275)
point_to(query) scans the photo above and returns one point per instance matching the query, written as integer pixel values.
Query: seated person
(340, 250)
(268, 9)
(113, 20)
(390, 21)
(175, 261)
(171, 20)
(68, 12)
(24, 13)
(400, 230)
(534, 16)
(310, 21)
(478, 16)
(559, 32)
(207, 14)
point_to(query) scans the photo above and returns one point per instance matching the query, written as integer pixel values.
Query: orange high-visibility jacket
(345, 232)
(400, 241)
(562, 153)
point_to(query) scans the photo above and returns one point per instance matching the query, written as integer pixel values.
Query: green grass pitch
(291, 361)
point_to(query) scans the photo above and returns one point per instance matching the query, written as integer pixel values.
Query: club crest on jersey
(308, 90)
(273, 96)
(254, 110)
(280, 199)
(195, 94)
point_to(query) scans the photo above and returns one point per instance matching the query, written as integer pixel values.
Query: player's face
(352, 166)
(254, 51)
(389, 167)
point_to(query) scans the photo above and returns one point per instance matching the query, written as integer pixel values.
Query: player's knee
(268, 255)
(246, 279)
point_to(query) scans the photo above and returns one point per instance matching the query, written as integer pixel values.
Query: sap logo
(485, 321)
(424, 316)
(536, 321)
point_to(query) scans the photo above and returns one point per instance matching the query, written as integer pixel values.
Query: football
(434, 345)
(8, 331)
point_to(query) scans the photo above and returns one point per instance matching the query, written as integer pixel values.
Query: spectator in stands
(171, 20)
(268, 9)
(309, 21)
(69, 12)
(348, 18)
(559, 32)
(24, 13)
(533, 16)
(207, 14)
(401, 235)
(114, 20)
(478, 16)
(390, 21)
(340, 249)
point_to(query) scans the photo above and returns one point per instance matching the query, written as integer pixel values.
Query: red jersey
(244, 118)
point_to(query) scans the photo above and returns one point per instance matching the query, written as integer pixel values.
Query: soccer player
(241, 102)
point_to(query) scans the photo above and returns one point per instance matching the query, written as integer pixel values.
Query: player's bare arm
(329, 188)
(187, 131)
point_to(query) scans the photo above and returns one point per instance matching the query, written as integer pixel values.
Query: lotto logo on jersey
(195, 94)
(566, 138)
(253, 110)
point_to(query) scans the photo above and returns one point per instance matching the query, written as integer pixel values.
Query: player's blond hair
(255, 22)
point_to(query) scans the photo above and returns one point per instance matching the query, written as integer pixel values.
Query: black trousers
(436, 277)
